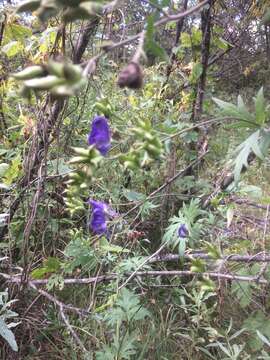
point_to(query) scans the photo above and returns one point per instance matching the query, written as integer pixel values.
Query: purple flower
(100, 135)
(98, 218)
(100, 214)
(182, 231)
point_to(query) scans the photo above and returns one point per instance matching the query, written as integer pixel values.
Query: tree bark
(179, 28)
(205, 52)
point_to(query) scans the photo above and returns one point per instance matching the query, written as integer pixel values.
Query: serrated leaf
(197, 265)
(251, 144)
(239, 112)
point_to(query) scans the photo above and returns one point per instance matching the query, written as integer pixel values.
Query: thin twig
(213, 275)
(232, 258)
(264, 266)
(168, 182)
(61, 306)
(162, 21)
(142, 264)
(113, 276)
(140, 35)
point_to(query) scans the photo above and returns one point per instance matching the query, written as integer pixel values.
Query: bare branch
(261, 257)
(162, 21)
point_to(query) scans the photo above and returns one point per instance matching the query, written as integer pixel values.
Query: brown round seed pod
(131, 76)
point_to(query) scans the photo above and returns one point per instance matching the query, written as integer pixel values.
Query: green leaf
(185, 40)
(260, 107)
(239, 112)
(229, 215)
(251, 144)
(150, 45)
(12, 48)
(133, 195)
(55, 281)
(39, 273)
(51, 265)
(156, 50)
(265, 141)
(126, 308)
(182, 248)
(78, 253)
(107, 247)
(150, 27)
(221, 43)
(197, 265)
(266, 18)
(197, 70)
(3, 169)
(243, 293)
(213, 251)
(13, 171)
(252, 191)
(8, 335)
(258, 321)
(16, 32)
(145, 209)
(263, 338)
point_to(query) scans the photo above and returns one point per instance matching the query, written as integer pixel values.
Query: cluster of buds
(72, 9)
(61, 79)
(103, 106)
(86, 161)
(146, 148)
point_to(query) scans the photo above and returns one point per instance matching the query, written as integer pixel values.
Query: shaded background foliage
(181, 200)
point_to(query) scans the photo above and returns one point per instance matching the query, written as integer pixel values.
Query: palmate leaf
(241, 112)
(127, 345)
(171, 235)
(107, 353)
(122, 348)
(126, 308)
(132, 263)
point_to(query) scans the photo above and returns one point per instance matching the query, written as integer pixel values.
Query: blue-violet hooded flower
(100, 135)
(182, 231)
(98, 218)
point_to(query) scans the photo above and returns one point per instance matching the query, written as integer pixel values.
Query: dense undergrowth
(145, 236)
